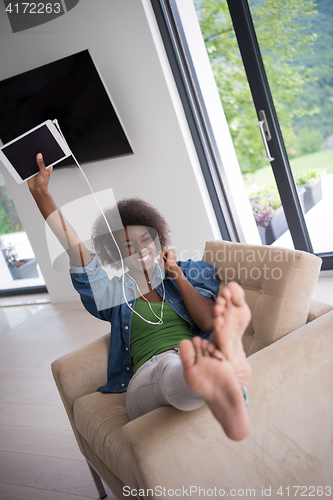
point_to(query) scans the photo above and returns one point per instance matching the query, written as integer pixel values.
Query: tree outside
(9, 220)
(286, 36)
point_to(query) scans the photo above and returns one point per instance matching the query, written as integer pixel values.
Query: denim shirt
(103, 298)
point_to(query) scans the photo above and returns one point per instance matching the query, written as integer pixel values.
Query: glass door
(19, 271)
(294, 64)
(296, 44)
(278, 50)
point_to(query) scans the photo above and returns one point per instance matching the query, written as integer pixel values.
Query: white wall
(124, 42)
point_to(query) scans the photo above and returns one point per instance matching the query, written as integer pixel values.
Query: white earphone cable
(160, 320)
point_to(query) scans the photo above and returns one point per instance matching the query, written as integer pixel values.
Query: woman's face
(137, 247)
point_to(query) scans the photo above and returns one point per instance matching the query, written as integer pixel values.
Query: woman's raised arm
(38, 186)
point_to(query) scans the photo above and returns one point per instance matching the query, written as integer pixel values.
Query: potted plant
(267, 198)
(269, 194)
(19, 269)
(263, 213)
(311, 182)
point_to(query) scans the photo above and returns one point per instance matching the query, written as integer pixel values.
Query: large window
(19, 271)
(289, 177)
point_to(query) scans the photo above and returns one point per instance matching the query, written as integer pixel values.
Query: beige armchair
(172, 453)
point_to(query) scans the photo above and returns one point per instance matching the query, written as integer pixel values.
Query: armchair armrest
(317, 309)
(290, 425)
(81, 372)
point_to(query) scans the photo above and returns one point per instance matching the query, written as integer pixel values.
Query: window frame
(178, 54)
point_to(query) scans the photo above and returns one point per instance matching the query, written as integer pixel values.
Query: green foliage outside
(5, 227)
(307, 141)
(9, 220)
(309, 175)
(317, 93)
(322, 161)
(287, 37)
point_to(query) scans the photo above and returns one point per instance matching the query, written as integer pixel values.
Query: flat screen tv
(71, 91)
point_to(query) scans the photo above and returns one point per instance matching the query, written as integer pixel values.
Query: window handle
(265, 134)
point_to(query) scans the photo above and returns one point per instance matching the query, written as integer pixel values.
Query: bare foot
(214, 379)
(231, 317)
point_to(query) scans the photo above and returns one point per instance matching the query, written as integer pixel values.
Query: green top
(149, 340)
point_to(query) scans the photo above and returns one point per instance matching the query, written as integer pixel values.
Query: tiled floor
(39, 457)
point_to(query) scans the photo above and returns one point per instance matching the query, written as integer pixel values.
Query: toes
(219, 306)
(237, 295)
(187, 353)
(197, 343)
(219, 310)
(211, 348)
(205, 346)
(217, 354)
(220, 301)
(227, 294)
(213, 352)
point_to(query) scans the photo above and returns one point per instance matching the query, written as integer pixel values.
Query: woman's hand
(170, 263)
(199, 307)
(38, 185)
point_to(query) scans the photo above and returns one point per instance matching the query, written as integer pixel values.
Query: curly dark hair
(133, 212)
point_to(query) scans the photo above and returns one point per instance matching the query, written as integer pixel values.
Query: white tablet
(19, 155)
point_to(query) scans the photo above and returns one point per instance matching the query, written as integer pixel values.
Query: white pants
(158, 382)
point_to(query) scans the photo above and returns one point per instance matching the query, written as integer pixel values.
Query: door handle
(265, 134)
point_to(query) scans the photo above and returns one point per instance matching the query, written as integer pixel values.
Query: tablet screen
(22, 153)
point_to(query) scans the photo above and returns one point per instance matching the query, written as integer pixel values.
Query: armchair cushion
(278, 285)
